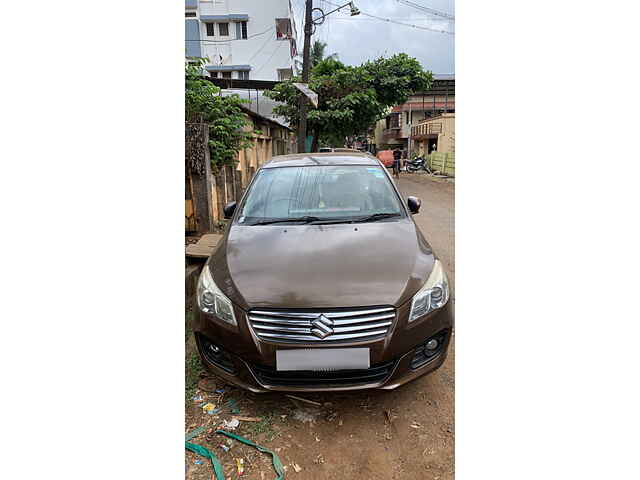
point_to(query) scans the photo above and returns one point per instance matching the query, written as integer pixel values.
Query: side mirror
(414, 204)
(229, 208)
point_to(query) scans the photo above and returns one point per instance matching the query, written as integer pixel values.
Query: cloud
(361, 38)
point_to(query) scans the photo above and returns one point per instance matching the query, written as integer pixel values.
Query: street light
(354, 9)
(318, 15)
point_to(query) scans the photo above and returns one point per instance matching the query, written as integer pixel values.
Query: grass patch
(193, 368)
(264, 427)
(188, 322)
(192, 365)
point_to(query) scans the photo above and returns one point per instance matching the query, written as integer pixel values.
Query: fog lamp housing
(215, 354)
(431, 344)
(429, 349)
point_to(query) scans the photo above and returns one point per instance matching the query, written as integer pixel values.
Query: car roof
(317, 158)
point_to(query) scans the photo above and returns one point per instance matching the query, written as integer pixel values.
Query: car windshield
(319, 193)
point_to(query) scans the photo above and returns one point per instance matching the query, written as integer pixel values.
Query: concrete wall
(446, 138)
(263, 52)
(444, 163)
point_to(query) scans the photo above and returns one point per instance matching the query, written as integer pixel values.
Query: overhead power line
(422, 8)
(420, 27)
(231, 39)
(276, 50)
(264, 44)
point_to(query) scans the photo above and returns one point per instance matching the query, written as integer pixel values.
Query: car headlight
(433, 295)
(212, 300)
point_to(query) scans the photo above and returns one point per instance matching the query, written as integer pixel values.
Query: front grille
(307, 378)
(311, 326)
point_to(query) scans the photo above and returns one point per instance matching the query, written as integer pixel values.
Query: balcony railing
(426, 129)
(394, 132)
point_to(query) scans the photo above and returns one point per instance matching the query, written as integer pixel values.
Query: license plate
(322, 359)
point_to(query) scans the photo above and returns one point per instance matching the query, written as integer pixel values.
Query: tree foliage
(224, 115)
(352, 98)
(317, 53)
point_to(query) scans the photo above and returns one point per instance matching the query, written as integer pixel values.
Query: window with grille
(226, 74)
(283, 28)
(241, 30)
(210, 29)
(223, 29)
(243, 75)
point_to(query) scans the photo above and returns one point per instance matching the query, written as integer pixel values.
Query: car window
(323, 191)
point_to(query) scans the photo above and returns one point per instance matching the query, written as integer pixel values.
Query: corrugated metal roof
(444, 76)
(262, 117)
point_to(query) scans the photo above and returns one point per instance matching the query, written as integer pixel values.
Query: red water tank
(386, 157)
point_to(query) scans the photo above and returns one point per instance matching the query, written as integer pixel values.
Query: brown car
(322, 281)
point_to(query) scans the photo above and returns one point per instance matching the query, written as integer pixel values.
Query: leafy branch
(227, 121)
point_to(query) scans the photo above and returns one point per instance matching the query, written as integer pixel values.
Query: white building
(244, 39)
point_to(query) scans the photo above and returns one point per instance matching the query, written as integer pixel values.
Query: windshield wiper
(306, 219)
(375, 216)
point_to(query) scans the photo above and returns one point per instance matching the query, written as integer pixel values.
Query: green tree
(352, 98)
(226, 119)
(317, 53)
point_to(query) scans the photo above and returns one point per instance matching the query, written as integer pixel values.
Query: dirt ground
(407, 433)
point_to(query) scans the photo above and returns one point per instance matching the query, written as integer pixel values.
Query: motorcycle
(416, 164)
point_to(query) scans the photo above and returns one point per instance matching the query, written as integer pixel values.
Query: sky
(361, 38)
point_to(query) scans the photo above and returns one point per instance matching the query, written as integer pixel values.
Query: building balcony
(394, 133)
(424, 130)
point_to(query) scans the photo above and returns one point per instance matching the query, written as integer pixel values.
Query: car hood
(322, 266)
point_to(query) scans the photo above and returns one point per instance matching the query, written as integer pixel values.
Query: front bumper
(250, 362)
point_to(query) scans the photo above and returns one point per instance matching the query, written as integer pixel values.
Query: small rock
(296, 467)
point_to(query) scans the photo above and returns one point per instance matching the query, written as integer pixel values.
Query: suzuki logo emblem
(322, 326)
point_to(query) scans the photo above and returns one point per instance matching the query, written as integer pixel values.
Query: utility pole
(410, 129)
(302, 124)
